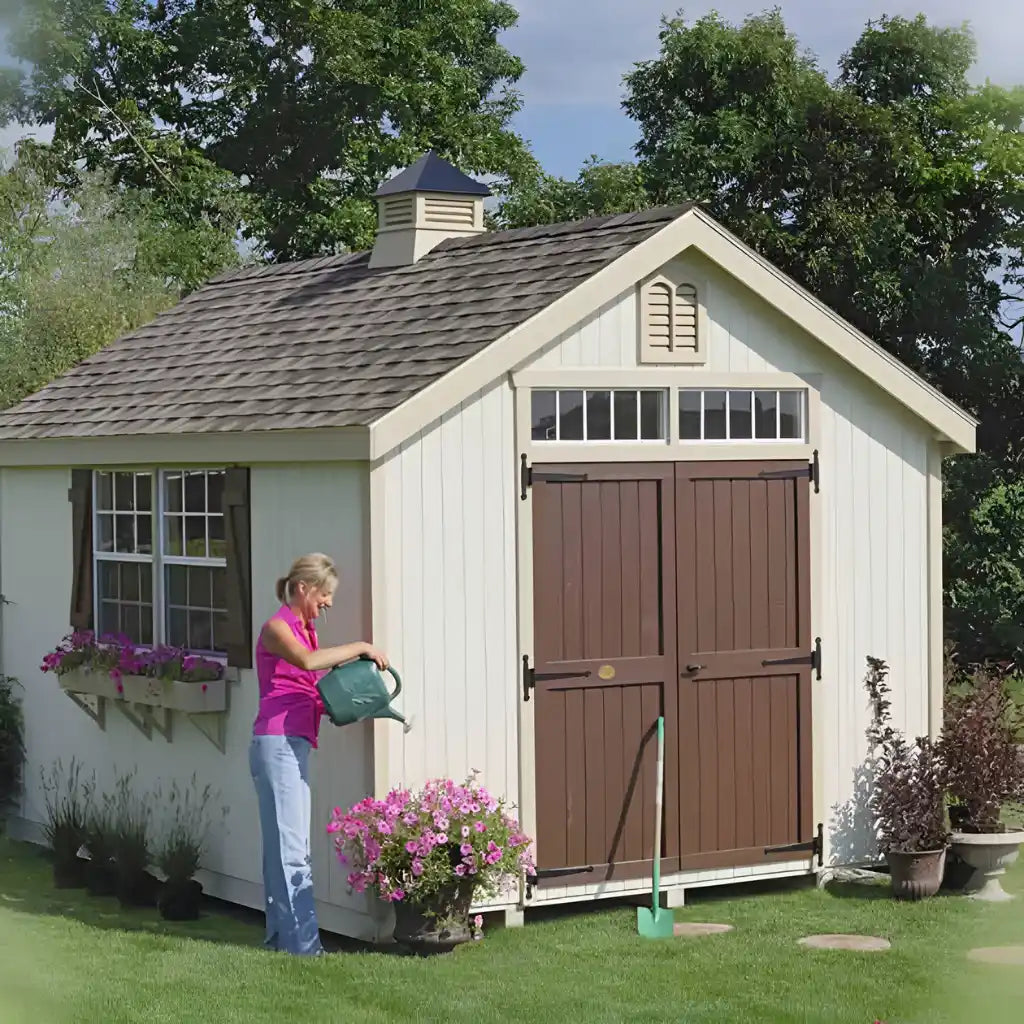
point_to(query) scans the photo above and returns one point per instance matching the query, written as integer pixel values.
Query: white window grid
(752, 393)
(663, 415)
(157, 557)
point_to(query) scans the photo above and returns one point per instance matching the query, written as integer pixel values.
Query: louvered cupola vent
(421, 207)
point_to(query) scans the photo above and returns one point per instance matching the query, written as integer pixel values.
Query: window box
(96, 682)
(176, 695)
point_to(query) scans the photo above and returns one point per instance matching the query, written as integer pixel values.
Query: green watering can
(356, 691)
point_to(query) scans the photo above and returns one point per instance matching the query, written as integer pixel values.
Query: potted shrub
(180, 850)
(130, 849)
(983, 769)
(68, 802)
(430, 854)
(12, 746)
(907, 797)
(100, 876)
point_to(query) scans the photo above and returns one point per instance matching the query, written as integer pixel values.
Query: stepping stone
(860, 943)
(693, 928)
(1011, 955)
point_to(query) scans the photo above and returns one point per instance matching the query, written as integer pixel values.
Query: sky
(577, 51)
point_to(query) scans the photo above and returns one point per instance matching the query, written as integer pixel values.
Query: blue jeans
(280, 772)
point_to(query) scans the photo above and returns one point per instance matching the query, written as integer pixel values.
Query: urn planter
(916, 875)
(436, 925)
(990, 854)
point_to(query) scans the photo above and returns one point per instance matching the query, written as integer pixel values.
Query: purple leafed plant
(118, 656)
(908, 796)
(983, 765)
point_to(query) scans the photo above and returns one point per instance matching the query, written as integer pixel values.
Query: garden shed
(574, 477)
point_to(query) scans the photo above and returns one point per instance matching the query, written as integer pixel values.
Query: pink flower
(412, 846)
(204, 687)
(396, 894)
(479, 826)
(441, 838)
(466, 849)
(410, 819)
(440, 820)
(417, 867)
(478, 921)
(333, 826)
(383, 827)
(465, 831)
(460, 869)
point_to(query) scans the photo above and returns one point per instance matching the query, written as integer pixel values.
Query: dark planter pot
(916, 875)
(137, 890)
(180, 901)
(437, 925)
(70, 873)
(100, 878)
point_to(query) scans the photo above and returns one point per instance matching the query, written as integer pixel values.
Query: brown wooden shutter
(238, 631)
(80, 496)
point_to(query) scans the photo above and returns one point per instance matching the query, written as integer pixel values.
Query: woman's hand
(372, 654)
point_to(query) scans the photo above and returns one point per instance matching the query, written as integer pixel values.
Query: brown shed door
(604, 650)
(664, 588)
(742, 727)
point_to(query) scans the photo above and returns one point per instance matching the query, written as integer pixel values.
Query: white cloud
(14, 132)
(576, 51)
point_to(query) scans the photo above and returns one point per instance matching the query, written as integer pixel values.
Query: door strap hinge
(815, 846)
(528, 477)
(813, 659)
(812, 472)
(530, 676)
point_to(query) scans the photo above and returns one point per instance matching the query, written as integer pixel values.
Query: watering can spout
(356, 691)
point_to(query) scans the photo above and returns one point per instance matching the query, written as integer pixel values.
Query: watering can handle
(398, 683)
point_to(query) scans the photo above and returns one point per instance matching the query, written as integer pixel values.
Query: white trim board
(693, 229)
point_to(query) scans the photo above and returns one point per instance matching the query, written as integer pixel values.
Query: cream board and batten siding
(445, 597)
(870, 520)
(35, 570)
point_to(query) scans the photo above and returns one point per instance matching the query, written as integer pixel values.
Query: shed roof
(325, 342)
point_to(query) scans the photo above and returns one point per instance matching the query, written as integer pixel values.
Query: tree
(600, 188)
(79, 269)
(894, 192)
(284, 114)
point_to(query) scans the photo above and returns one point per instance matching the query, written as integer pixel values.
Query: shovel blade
(654, 924)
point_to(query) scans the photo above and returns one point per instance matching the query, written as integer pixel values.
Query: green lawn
(66, 957)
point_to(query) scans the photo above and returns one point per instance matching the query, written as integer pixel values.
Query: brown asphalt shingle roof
(323, 342)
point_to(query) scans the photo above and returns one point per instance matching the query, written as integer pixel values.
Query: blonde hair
(315, 570)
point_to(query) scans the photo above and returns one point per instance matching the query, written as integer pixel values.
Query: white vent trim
(672, 321)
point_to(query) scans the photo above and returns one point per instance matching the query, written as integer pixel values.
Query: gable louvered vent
(670, 322)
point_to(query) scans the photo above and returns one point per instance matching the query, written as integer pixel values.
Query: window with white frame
(159, 544)
(603, 414)
(747, 414)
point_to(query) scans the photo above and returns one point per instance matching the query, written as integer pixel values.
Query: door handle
(695, 668)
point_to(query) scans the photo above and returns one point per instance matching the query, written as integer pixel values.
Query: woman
(289, 662)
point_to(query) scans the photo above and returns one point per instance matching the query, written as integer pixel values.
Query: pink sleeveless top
(289, 702)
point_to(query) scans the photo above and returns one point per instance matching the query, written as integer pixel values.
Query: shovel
(658, 922)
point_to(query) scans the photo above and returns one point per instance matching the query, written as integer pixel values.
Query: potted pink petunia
(431, 854)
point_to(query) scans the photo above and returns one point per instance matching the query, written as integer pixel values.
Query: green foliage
(12, 743)
(79, 268)
(600, 188)
(283, 117)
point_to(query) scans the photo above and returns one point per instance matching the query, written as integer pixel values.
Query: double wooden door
(680, 590)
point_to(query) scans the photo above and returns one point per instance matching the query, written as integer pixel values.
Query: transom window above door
(160, 554)
(616, 414)
(749, 414)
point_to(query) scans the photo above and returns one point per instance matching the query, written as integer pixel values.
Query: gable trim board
(692, 229)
